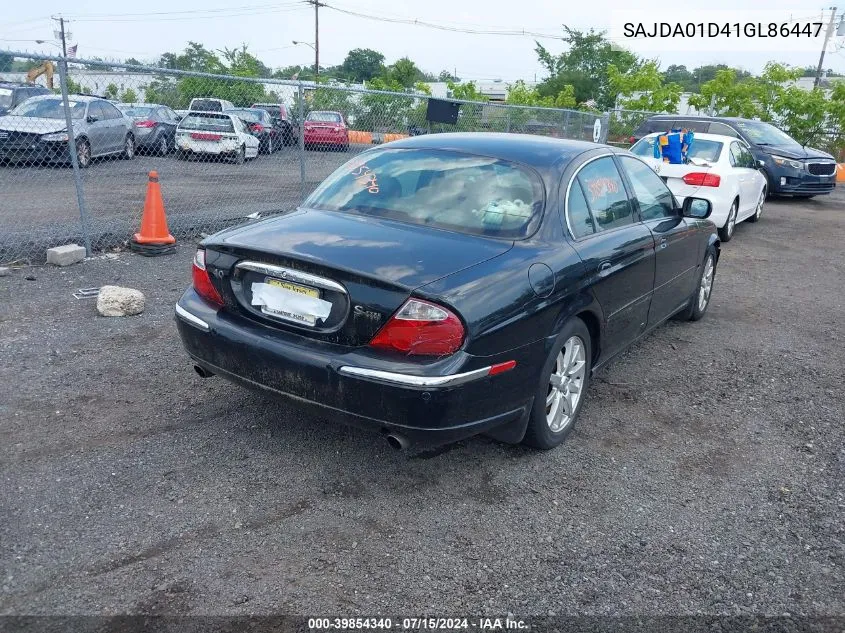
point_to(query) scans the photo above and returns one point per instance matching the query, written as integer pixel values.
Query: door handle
(662, 243)
(604, 268)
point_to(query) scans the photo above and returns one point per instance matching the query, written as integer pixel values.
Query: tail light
(256, 127)
(202, 281)
(421, 328)
(632, 140)
(702, 179)
(145, 124)
(205, 136)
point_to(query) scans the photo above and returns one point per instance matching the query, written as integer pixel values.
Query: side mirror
(92, 119)
(697, 208)
(761, 163)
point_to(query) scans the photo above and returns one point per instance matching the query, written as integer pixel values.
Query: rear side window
(606, 194)
(442, 189)
(721, 128)
(578, 213)
(207, 122)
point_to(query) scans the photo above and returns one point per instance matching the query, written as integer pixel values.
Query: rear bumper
(433, 404)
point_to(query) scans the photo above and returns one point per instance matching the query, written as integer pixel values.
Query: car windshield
(208, 122)
(326, 117)
(250, 115)
(207, 105)
(443, 189)
(764, 133)
(49, 109)
(138, 112)
(702, 149)
(274, 110)
(6, 95)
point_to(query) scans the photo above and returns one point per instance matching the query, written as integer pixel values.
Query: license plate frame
(292, 317)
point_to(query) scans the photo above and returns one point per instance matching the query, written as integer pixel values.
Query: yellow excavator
(47, 69)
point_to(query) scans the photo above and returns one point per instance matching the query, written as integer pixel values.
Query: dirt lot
(707, 473)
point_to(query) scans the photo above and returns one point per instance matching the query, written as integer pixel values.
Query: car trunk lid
(348, 273)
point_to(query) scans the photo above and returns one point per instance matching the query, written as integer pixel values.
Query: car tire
(128, 148)
(758, 212)
(269, 147)
(769, 188)
(726, 232)
(163, 146)
(83, 153)
(181, 155)
(700, 300)
(564, 381)
(240, 156)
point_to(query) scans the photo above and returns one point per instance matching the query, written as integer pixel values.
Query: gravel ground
(705, 476)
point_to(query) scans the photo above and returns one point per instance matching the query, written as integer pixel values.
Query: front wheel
(704, 290)
(83, 153)
(727, 231)
(128, 147)
(563, 385)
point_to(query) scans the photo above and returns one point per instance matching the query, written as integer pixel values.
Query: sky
(143, 30)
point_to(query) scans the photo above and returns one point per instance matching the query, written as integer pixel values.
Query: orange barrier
(394, 137)
(365, 138)
(154, 223)
(840, 172)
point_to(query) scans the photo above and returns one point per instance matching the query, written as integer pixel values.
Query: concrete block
(65, 255)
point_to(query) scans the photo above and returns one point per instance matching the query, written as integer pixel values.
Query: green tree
(678, 74)
(647, 82)
(520, 94)
(6, 63)
(466, 91)
(584, 66)
(362, 64)
(111, 91)
(445, 75)
(243, 64)
(165, 91)
(133, 62)
(129, 96)
(195, 57)
(405, 73)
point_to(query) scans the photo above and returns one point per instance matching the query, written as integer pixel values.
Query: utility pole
(827, 35)
(62, 34)
(316, 4)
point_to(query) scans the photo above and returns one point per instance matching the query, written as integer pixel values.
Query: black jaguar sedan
(451, 284)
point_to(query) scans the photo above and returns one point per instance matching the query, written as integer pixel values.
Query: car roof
(537, 151)
(75, 97)
(704, 136)
(702, 117)
(21, 84)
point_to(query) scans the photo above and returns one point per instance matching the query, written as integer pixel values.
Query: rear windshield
(701, 149)
(194, 121)
(139, 111)
(250, 115)
(443, 189)
(209, 105)
(274, 110)
(328, 117)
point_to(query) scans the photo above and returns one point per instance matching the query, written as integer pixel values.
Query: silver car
(36, 132)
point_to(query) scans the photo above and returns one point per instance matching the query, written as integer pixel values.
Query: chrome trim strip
(293, 275)
(192, 319)
(414, 381)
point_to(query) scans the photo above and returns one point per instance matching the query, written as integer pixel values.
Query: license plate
(303, 290)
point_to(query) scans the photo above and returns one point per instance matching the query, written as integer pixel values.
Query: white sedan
(215, 134)
(720, 169)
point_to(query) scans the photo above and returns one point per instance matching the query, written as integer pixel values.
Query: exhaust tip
(397, 442)
(202, 373)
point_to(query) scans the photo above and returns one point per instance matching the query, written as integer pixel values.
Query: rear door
(745, 176)
(617, 249)
(676, 247)
(117, 127)
(98, 129)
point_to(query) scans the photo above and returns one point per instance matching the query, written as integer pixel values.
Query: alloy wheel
(732, 219)
(566, 384)
(83, 154)
(760, 202)
(706, 285)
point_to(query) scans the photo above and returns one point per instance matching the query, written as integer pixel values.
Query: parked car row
(35, 130)
(789, 167)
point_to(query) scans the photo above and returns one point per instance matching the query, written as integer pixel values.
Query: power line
(444, 27)
(275, 5)
(192, 16)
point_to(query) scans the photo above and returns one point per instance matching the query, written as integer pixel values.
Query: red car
(326, 129)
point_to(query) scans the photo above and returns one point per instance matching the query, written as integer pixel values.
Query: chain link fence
(76, 153)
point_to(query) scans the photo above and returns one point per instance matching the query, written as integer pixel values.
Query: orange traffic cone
(154, 237)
